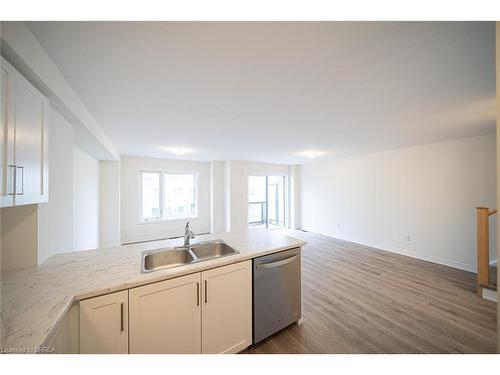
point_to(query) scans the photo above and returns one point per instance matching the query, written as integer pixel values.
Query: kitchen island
(37, 301)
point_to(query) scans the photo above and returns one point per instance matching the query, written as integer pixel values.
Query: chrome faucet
(188, 235)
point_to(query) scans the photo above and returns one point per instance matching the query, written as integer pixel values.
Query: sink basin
(181, 256)
(211, 249)
(166, 258)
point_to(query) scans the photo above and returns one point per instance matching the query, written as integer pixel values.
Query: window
(266, 201)
(150, 195)
(257, 201)
(168, 195)
(180, 196)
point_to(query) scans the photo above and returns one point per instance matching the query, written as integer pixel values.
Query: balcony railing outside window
(257, 213)
(266, 201)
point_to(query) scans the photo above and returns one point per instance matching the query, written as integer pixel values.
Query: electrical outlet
(338, 225)
(407, 238)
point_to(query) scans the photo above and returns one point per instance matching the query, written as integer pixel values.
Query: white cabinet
(165, 317)
(208, 312)
(104, 324)
(24, 139)
(31, 144)
(7, 109)
(227, 308)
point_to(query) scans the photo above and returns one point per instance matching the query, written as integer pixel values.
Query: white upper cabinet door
(227, 308)
(31, 143)
(165, 317)
(7, 167)
(104, 324)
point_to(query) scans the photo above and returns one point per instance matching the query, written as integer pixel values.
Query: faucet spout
(188, 235)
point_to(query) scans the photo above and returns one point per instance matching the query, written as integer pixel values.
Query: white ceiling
(267, 91)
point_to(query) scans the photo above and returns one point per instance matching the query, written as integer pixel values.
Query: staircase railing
(483, 248)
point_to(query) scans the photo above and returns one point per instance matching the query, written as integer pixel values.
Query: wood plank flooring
(363, 300)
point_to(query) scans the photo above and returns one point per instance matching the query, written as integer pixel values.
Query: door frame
(286, 189)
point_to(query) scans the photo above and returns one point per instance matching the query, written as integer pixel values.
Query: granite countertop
(35, 300)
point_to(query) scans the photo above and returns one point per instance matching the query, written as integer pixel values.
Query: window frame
(286, 187)
(162, 173)
(140, 195)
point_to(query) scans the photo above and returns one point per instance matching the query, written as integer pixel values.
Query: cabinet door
(165, 317)
(227, 308)
(104, 324)
(7, 168)
(31, 143)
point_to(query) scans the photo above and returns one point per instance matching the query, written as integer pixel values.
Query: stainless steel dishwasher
(276, 292)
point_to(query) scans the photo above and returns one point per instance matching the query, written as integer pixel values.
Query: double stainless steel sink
(153, 260)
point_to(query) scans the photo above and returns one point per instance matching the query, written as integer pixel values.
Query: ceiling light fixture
(311, 154)
(179, 151)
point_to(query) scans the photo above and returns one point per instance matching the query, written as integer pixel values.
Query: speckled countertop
(34, 301)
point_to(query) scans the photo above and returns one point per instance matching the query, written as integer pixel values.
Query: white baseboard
(490, 295)
(428, 258)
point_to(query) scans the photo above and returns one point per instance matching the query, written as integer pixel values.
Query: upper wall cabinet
(24, 146)
(7, 167)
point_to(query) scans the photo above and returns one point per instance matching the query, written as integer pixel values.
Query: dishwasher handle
(282, 262)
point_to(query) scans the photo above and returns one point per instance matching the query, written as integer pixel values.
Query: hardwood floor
(363, 300)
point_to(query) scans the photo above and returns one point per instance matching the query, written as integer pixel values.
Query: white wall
(131, 228)
(218, 192)
(19, 237)
(227, 195)
(239, 171)
(294, 196)
(85, 201)
(428, 193)
(109, 203)
(55, 218)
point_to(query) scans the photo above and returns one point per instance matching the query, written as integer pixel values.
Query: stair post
(483, 248)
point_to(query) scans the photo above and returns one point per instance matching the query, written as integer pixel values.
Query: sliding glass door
(275, 201)
(266, 201)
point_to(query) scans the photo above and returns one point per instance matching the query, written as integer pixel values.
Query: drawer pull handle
(14, 176)
(206, 291)
(278, 263)
(121, 317)
(22, 181)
